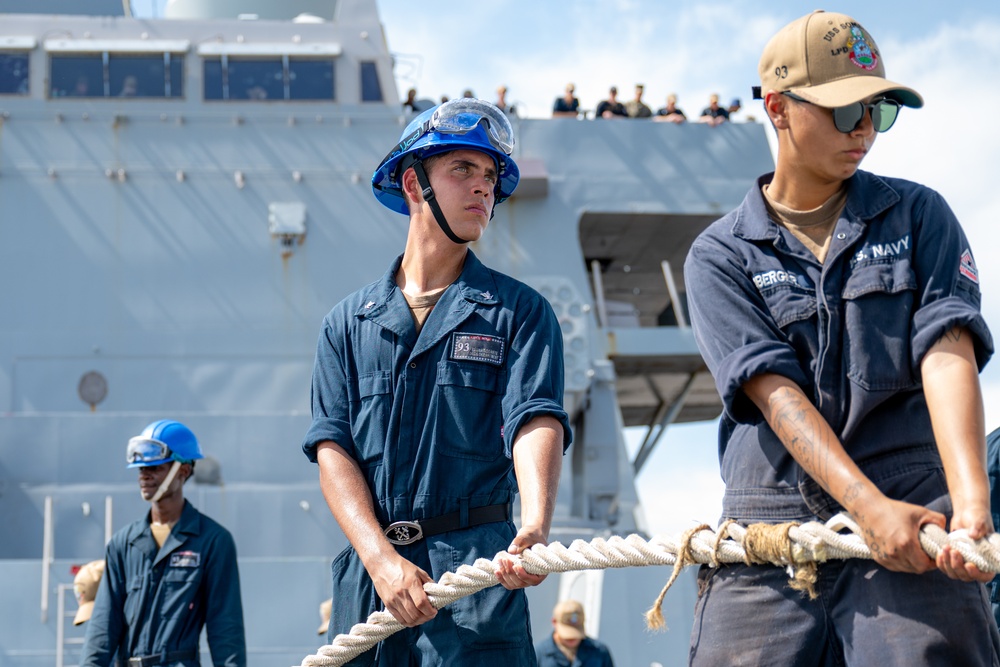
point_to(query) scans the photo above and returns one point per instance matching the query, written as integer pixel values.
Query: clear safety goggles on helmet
(847, 118)
(146, 450)
(461, 117)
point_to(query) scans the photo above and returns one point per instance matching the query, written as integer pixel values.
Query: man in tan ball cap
(839, 313)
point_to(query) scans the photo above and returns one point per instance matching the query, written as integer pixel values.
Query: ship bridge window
(117, 75)
(275, 78)
(371, 89)
(14, 73)
(146, 76)
(116, 68)
(77, 76)
(310, 79)
(14, 64)
(256, 80)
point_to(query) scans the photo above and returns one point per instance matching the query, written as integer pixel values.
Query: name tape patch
(185, 559)
(477, 347)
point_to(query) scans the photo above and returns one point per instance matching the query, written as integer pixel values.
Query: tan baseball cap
(569, 618)
(85, 586)
(325, 608)
(830, 60)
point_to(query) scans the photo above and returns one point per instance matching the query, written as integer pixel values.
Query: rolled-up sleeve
(734, 329)
(535, 372)
(948, 281)
(329, 394)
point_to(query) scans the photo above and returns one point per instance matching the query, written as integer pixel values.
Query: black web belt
(402, 533)
(165, 658)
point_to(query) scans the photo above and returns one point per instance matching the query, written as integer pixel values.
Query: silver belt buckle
(402, 533)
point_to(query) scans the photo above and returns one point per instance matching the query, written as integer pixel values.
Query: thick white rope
(811, 542)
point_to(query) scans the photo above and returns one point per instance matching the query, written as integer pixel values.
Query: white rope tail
(788, 545)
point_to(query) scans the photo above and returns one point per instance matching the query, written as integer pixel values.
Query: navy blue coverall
(155, 601)
(589, 653)
(851, 332)
(431, 420)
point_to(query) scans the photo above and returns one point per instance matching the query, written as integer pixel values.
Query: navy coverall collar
(386, 306)
(189, 524)
(867, 196)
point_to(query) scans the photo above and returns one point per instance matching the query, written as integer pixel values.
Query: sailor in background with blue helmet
(437, 395)
(169, 574)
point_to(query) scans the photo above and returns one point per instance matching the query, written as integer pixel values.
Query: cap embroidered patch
(477, 347)
(861, 54)
(185, 559)
(967, 267)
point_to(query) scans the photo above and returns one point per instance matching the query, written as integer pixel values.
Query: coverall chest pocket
(791, 308)
(468, 410)
(180, 586)
(878, 306)
(373, 405)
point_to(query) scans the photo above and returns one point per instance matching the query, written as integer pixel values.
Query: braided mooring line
(803, 545)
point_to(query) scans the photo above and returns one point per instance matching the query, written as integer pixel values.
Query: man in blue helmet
(169, 574)
(437, 394)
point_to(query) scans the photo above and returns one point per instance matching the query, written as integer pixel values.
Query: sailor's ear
(411, 187)
(776, 105)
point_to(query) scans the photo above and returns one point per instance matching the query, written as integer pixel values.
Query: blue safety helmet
(460, 124)
(161, 442)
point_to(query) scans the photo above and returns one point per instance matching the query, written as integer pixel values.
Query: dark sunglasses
(846, 119)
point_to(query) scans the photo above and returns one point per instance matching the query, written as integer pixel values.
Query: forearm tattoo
(851, 494)
(797, 423)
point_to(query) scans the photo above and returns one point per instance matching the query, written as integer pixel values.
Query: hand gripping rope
(798, 547)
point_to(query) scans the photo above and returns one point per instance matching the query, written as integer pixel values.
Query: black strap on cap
(428, 193)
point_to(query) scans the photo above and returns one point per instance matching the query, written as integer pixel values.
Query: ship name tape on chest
(477, 347)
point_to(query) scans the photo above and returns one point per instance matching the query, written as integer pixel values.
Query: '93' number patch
(477, 347)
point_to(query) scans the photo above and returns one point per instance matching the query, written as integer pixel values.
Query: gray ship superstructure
(183, 199)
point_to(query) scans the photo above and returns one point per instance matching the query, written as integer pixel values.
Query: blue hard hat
(161, 442)
(462, 124)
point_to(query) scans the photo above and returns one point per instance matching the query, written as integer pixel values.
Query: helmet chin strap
(166, 482)
(428, 193)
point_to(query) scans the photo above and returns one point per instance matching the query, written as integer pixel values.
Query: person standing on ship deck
(839, 313)
(437, 394)
(168, 575)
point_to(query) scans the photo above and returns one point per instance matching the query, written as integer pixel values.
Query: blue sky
(947, 51)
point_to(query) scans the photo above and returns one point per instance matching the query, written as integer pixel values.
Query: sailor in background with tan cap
(839, 313)
(85, 584)
(325, 609)
(569, 645)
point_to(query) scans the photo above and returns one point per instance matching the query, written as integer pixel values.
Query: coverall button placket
(829, 376)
